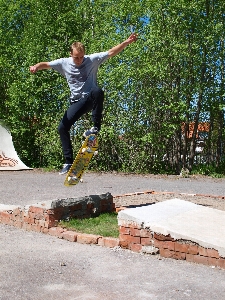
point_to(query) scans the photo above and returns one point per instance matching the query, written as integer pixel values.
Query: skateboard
(81, 162)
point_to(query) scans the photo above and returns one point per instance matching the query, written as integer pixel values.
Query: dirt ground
(144, 199)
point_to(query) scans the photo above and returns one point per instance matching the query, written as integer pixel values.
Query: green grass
(106, 224)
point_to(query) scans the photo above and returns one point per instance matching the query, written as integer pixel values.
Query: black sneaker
(65, 169)
(93, 130)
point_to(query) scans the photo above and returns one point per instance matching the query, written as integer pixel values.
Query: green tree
(173, 75)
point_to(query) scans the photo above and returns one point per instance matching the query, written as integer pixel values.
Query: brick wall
(45, 215)
(138, 239)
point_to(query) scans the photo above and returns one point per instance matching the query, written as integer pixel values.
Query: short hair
(78, 46)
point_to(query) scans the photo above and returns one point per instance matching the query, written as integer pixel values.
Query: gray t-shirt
(81, 79)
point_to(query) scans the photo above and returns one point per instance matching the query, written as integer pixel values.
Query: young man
(80, 71)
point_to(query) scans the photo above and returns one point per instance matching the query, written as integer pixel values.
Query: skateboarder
(80, 71)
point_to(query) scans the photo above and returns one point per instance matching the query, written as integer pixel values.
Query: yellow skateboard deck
(81, 162)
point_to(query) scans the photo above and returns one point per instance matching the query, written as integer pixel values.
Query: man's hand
(117, 49)
(39, 66)
(132, 38)
(33, 69)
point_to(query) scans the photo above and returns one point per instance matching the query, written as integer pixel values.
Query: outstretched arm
(39, 66)
(117, 49)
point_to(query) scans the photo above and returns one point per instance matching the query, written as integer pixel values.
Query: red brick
(130, 239)
(124, 244)
(36, 227)
(135, 231)
(120, 208)
(201, 259)
(40, 223)
(146, 241)
(145, 233)
(168, 245)
(44, 230)
(221, 263)
(208, 252)
(50, 221)
(37, 211)
(51, 211)
(123, 237)
(124, 230)
(133, 225)
(56, 231)
(202, 195)
(149, 192)
(179, 255)
(27, 226)
(134, 239)
(5, 214)
(84, 238)
(139, 193)
(180, 247)
(212, 261)
(213, 253)
(108, 242)
(135, 247)
(28, 220)
(69, 236)
(193, 249)
(202, 251)
(18, 224)
(189, 257)
(158, 244)
(162, 237)
(24, 214)
(31, 215)
(111, 242)
(17, 217)
(167, 193)
(166, 253)
(5, 218)
(16, 211)
(164, 244)
(101, 241)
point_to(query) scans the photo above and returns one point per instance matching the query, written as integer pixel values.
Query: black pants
(94, 102)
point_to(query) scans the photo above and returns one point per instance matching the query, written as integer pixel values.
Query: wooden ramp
(9, 160)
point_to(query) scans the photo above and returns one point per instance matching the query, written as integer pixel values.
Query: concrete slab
(181, 220)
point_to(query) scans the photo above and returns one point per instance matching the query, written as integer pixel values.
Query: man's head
(77, 51)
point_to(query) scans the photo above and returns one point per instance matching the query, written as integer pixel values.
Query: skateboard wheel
(95, 153)
(72, 179)
(81, 180)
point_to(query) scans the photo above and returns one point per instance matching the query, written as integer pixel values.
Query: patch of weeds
(106, 224)
(209, 170)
